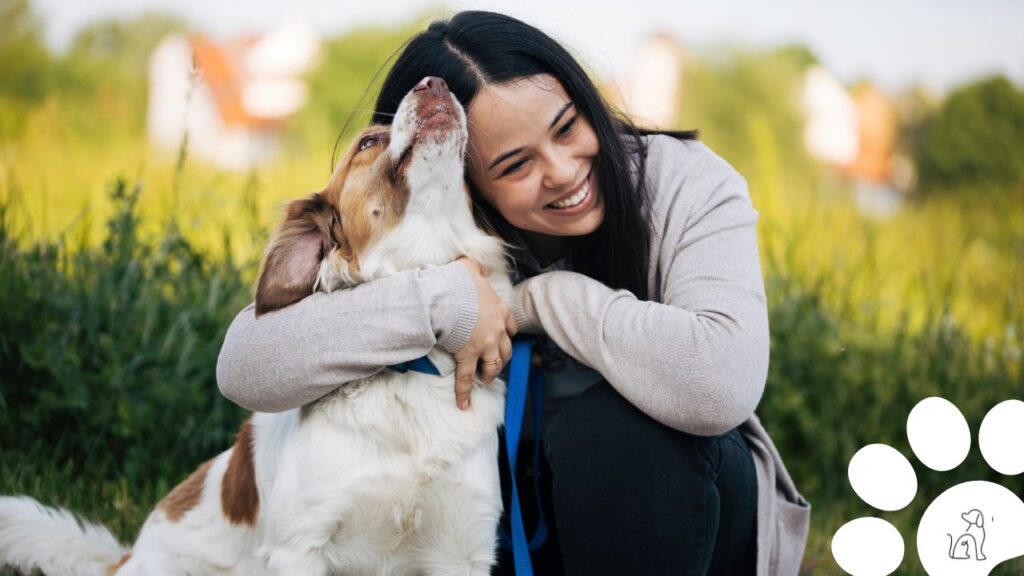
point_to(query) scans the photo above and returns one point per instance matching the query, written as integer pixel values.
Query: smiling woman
(637, 258)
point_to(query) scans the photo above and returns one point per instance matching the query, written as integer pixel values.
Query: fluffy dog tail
(53, 541)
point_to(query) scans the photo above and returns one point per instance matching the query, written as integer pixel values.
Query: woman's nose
(560, 171)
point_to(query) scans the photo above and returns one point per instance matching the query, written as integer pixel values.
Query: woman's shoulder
(671, 157)
(684, 174)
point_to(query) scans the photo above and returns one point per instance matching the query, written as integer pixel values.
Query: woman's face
(532, 157)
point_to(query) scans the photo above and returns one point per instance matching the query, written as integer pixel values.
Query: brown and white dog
(385, 475)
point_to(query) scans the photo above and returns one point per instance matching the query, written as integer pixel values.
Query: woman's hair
(474, 49)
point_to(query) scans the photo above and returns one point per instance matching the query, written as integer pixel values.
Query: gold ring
(495, 362)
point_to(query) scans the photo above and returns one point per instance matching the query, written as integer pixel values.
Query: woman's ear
(291, 265)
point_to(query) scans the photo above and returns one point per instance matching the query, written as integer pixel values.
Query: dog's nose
(436, 86)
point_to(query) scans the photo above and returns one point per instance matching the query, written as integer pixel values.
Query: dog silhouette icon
(972, 540)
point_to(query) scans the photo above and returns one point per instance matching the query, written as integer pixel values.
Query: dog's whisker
(368, 110)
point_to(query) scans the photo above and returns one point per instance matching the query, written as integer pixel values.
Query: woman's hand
(490, 344)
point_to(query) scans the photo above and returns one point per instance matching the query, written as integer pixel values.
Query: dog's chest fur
(399, 443)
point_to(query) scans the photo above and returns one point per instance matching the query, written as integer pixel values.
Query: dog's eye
(368, 142)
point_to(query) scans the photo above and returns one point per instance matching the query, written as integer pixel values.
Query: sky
(895, 43)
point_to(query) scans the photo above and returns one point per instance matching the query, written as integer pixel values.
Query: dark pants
(624, 494)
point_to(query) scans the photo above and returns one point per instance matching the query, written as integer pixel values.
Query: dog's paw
(966, 530)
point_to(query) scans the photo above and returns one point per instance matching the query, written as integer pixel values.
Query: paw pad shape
(968, 529)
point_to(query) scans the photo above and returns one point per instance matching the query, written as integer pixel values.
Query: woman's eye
(368, 142)
(567, 127)
(514, 167)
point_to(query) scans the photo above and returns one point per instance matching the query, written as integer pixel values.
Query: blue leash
(520, 381)
(422, 364)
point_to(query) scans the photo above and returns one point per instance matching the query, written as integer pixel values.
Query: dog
(972, 540)
(384, 476)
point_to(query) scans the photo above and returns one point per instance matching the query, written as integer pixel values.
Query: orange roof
(877, 127)
(219, 66)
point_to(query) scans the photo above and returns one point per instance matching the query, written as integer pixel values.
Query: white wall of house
(651, 86)
(831, 132)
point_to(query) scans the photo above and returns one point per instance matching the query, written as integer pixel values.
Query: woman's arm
(697, 361)
(292, 356)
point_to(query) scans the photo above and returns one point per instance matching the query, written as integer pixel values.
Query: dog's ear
(291, 264)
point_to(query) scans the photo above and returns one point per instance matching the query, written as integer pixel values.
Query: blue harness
(520, 382)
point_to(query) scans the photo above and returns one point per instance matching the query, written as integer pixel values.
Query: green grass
(107, 391)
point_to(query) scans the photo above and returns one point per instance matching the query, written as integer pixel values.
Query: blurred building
(229, 98)
(650, 90)
(855, 132)
(830, 128)
(876, 128)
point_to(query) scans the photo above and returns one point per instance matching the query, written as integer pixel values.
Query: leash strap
(540, 533)
(422, 364)
(519, 382)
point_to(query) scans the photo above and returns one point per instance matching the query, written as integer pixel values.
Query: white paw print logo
(971, 527)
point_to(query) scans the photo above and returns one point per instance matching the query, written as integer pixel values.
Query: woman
(639, 261)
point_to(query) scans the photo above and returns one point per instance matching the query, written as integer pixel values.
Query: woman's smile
(575, 201)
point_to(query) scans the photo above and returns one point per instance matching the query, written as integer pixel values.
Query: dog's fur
(384, 476)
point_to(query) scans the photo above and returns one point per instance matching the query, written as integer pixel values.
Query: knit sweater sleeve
(292, 356)
(697, 358)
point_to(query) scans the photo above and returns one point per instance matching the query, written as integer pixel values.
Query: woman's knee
(601, 430)
(628, 490)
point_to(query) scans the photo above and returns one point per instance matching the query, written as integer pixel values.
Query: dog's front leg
(295, 542)
(304, 512)
(282, 561)
(458, 531)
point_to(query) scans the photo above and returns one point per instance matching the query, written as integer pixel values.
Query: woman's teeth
(575, 198)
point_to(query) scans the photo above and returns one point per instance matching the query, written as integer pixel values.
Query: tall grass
(107, 391)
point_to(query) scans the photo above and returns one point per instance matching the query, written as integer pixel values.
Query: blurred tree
(124, 42)
(25, 65)
(106, 66)
(975, 139)
(797, 55)
(747, 106)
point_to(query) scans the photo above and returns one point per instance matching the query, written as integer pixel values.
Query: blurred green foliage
(107, 352)
(25, 65)
(975, 140)
(107, 64)
(101, 82)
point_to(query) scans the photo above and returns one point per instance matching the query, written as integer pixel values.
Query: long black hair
(477, 48)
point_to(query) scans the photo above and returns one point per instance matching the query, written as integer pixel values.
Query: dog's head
(400, 180)
(974, 517)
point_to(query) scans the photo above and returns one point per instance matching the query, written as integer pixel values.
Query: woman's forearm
(290, 357)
